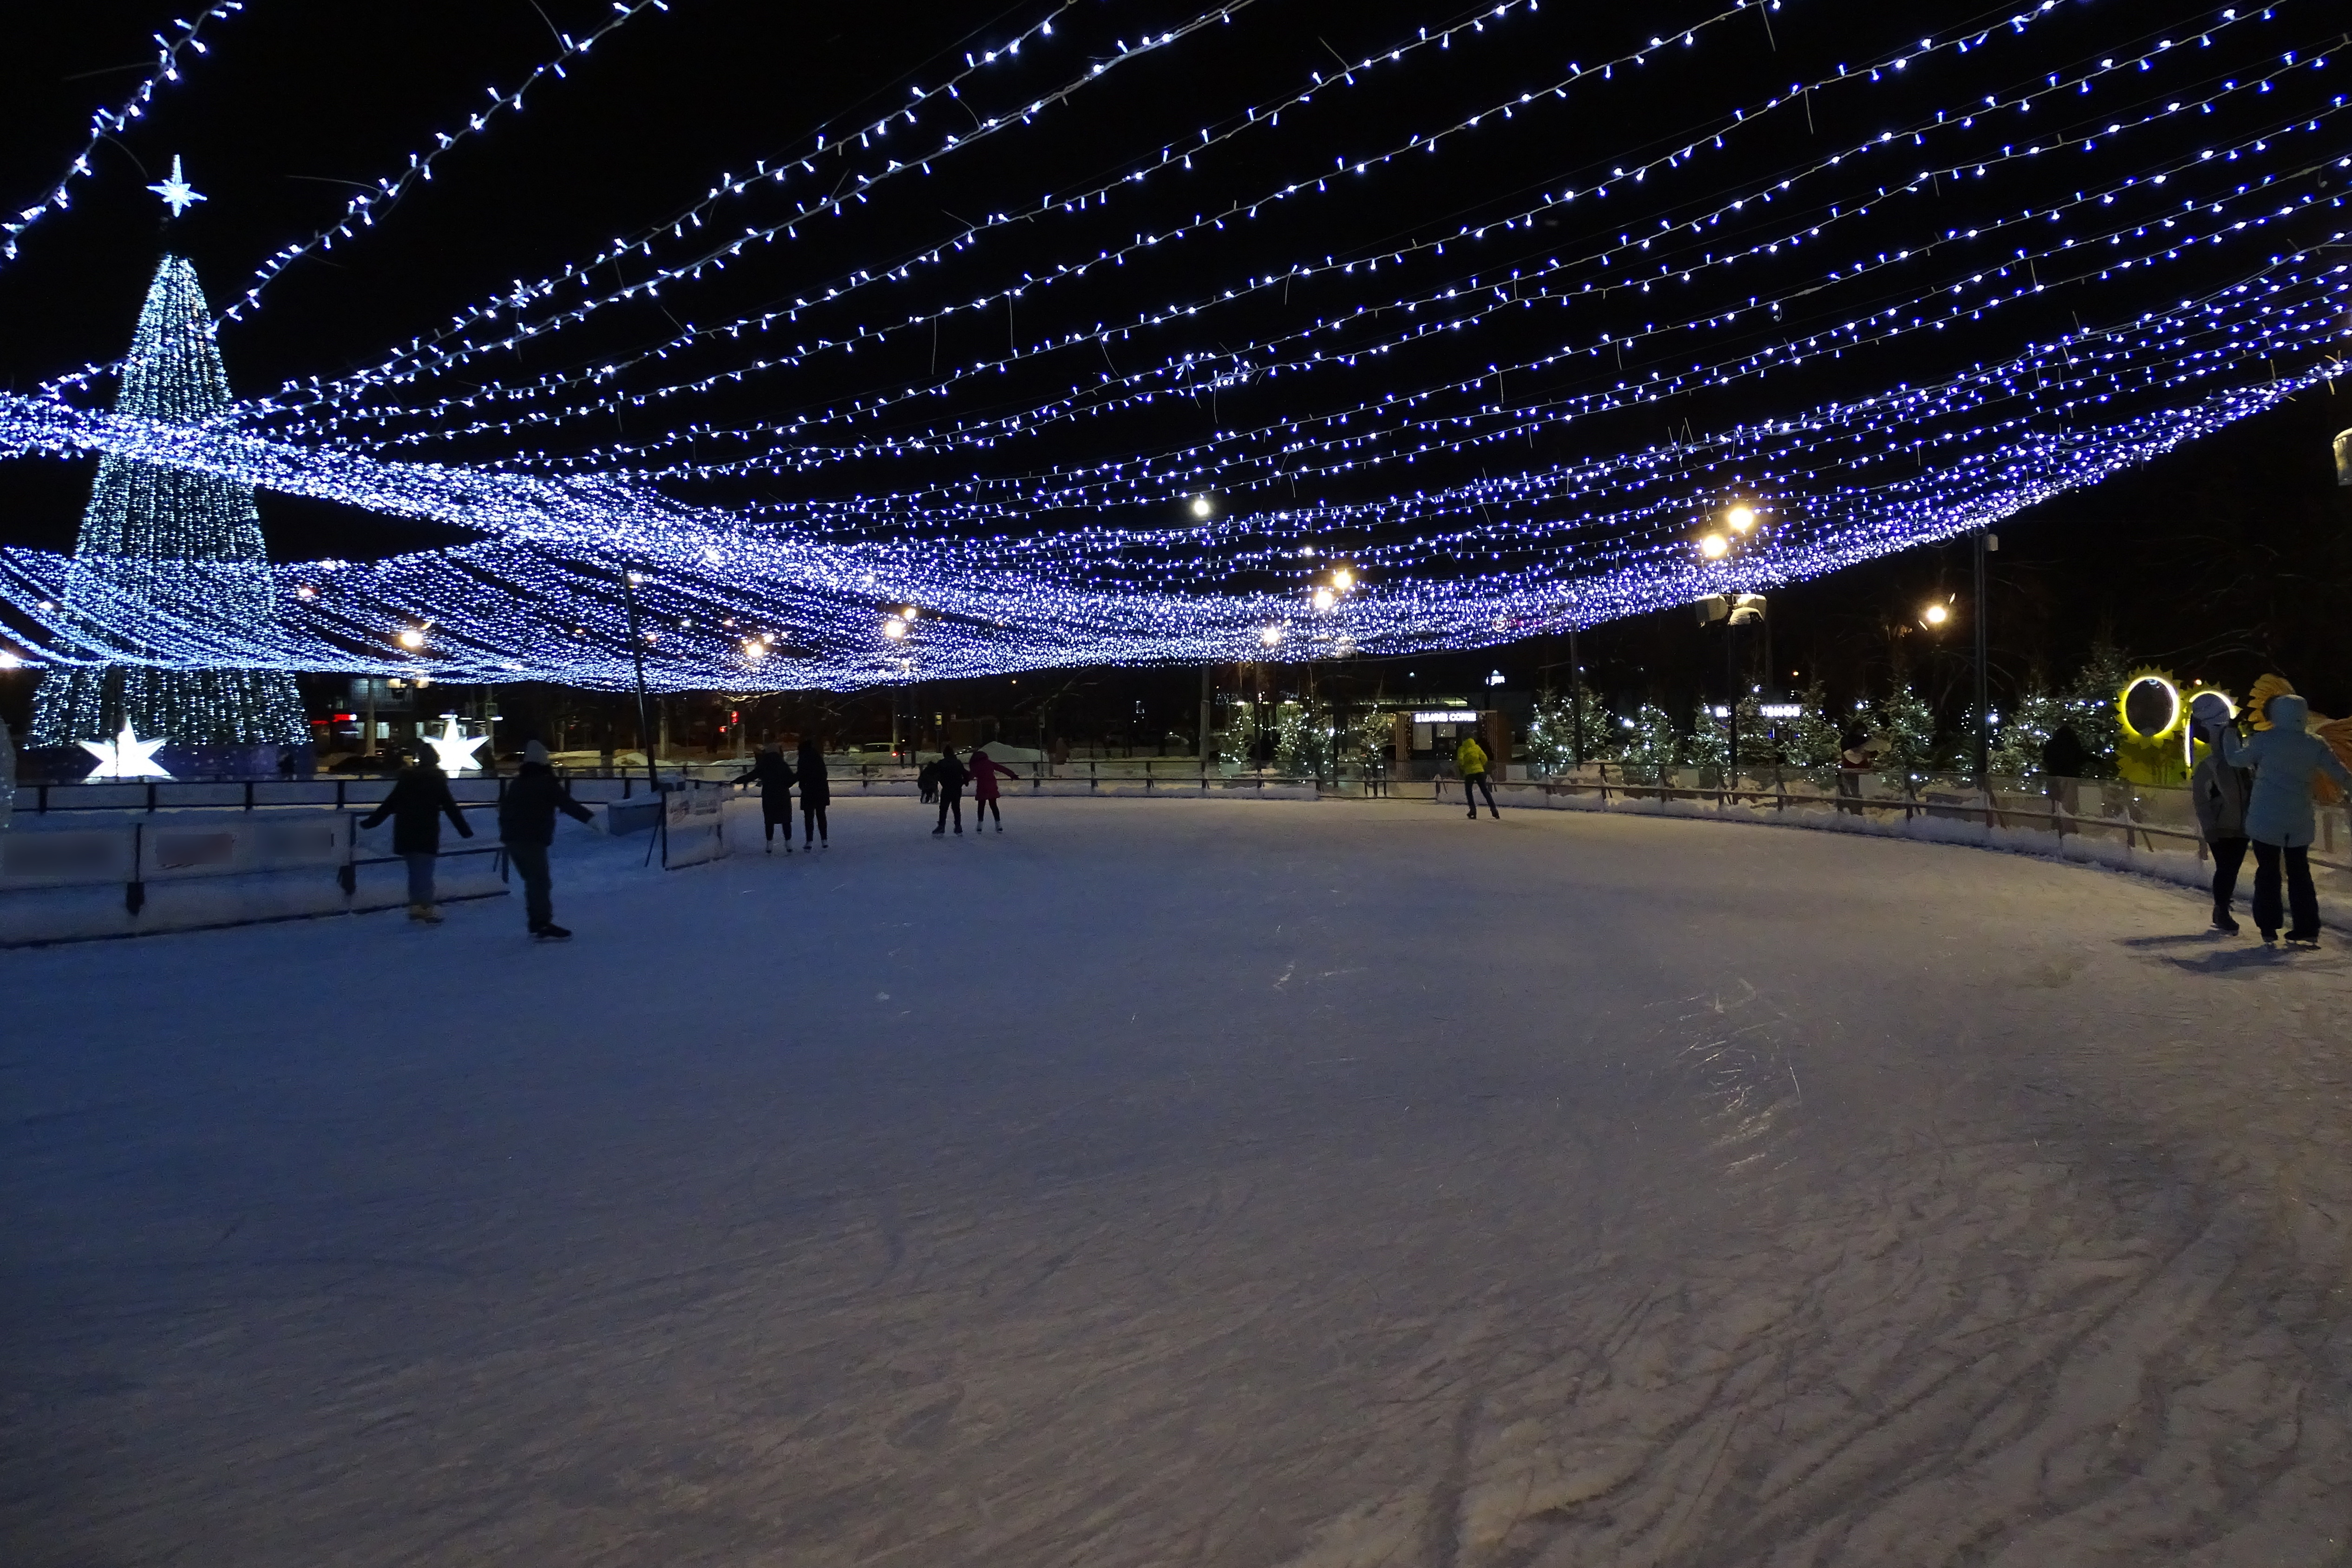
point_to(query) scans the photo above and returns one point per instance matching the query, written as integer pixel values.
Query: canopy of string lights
(1240, 336)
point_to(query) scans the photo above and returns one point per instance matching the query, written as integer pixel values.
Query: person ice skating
(985, 771)
(2286, 759)
(1470, 762)
(1853, 761)
(816, 793)
(418, 801)
(526, 828)
(2064, 759)
(2218, 791)
(775, 778)
(951, 778)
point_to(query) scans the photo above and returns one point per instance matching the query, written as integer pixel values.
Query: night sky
(2223, 559)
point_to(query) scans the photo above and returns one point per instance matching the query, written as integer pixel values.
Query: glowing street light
(1714, 547)
(1935, 615)
(1270, 636)
(894, 628)
(1343, 579)
(1740, 518)
(1203, 506)
(1324, 599)
(412, 639)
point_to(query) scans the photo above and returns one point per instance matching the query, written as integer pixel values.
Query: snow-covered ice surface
(1184, 1181)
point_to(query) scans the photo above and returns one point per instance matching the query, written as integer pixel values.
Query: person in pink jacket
(985, 771)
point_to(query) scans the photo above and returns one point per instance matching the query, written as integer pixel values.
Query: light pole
(1986, 542)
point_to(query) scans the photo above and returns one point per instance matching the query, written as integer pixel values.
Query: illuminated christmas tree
(139, 512)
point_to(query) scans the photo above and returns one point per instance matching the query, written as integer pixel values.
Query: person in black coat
(527, 827)
(816, 793)
(951, 777)
(2064, 759)
(775, 778)
(419, 799)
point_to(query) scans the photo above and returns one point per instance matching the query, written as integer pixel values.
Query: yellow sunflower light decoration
(2153, 713)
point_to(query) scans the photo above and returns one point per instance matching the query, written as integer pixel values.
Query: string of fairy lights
(1745, 117)
(790, 611)
(104, 122)
(2204, 240)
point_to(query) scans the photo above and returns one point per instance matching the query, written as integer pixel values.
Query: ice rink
(1192, 1183)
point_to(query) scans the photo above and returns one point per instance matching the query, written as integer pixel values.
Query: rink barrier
(153, 795)
(199, 872)
(2147, 830)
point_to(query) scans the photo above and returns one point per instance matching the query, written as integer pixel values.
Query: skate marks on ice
(1967, 1348)
(2007, 1391)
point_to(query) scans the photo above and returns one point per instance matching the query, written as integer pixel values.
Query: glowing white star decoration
(124, 757)
(454, 751)
(177, 194)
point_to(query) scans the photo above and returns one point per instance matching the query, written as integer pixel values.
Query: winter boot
(941, 831)
(550, 932)
(2223, 923)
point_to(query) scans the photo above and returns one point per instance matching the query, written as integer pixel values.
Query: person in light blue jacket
(2285, 758)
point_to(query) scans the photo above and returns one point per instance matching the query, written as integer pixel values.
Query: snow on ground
(1185, 1182)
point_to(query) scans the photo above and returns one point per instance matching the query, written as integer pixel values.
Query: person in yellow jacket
(1470, 762)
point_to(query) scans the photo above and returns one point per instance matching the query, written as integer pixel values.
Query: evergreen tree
(1652, 747)
(1237, 738)
(2091, 705)
(139, 514)
(1708, 745)
(1552, 733)
(1305, 746)
(2033, 720)
(1814, 740)
(1908, 725)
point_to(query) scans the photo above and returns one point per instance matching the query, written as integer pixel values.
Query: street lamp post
(1985, 541)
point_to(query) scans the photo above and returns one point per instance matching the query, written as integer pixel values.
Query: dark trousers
(981, 806)
(950, 800)
(2302, 897)
(530, 861)
(2228, 854)
(812, 825)
(1478, 781)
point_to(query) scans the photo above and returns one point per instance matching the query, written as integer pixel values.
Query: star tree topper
(177, 194)
(124, 757)
(454, 751)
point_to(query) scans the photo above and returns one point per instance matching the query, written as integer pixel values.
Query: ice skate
(2225, 925)
(426, 913)
(550, 932)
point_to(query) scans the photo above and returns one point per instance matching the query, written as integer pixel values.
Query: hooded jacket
(526, 812)
(419, 798)
(1469, 758)
(2286, 759)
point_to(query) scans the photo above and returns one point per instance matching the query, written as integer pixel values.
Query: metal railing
(2133, 815)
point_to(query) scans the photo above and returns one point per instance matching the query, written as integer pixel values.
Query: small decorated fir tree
(1908, 727)
(1552, 734)
(1813, 740)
